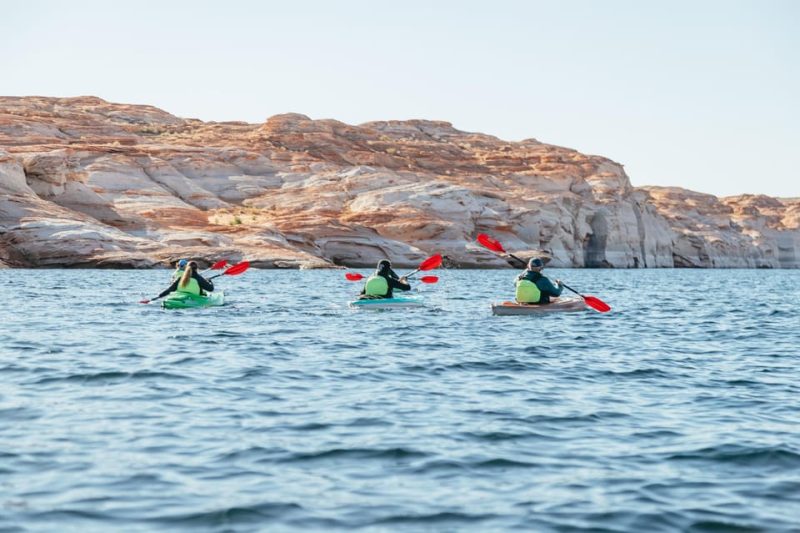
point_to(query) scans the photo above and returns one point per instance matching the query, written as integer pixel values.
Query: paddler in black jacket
(383, 281)
(535, 288)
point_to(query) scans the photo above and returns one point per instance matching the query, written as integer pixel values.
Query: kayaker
(179, 268)
(535, 288)
(190, 282)
(383, 281)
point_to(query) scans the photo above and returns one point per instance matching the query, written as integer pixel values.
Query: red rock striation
(84, 182)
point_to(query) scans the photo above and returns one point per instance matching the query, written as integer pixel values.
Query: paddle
(595, 303)
(355, 276)
(216, 266)
(495, 246)
(235, 270)
(492, 244)
(434, 261)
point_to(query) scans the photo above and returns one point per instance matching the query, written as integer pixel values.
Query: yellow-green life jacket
(192, 287)
(528, 292)
(376, 286)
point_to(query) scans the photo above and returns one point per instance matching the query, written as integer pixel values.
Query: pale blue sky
(698, 94)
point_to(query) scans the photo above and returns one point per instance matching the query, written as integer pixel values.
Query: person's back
(377, 286)
(382, 283)
(189, 285)
(190, 282)
(532, 287)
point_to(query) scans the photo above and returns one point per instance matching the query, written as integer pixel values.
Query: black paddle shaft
(570, 288)
(524, 264)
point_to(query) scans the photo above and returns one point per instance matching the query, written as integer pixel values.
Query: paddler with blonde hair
(190, 282)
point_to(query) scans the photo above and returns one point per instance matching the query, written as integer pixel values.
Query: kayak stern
(182, 300)
(558, 306)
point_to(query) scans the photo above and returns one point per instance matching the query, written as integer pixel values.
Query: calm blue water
(285, 410)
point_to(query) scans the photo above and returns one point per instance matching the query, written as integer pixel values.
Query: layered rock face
(84, 182)
(748, 231)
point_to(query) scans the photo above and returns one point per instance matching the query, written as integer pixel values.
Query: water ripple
(288, 411)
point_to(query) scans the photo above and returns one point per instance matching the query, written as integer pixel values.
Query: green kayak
(183, 300)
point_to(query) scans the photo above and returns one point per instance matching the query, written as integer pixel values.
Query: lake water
(286, 410)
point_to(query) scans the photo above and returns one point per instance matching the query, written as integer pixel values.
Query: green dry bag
(528, 292)
(376, 286)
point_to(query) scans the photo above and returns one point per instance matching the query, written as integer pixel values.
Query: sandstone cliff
(84, 182)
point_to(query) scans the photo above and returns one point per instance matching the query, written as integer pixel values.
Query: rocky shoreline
(88, 183)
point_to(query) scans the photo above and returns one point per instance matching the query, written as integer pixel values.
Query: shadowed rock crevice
(595, 247)
(640, 230)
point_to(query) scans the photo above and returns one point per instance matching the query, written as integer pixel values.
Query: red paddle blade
(429, 279)
(434, 261)
(353, 276)
(237, 269)
(144, 301)
(219, 265)
(490, 243)
(597, 304)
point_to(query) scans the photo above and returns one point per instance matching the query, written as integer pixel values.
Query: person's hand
(558, 282)
(404, 280)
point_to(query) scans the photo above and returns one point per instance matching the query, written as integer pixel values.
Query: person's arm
(559, 287)
(399, 284)
(172, 288)
(545, 285)
(204, 283)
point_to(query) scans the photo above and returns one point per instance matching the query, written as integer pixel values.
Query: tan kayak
(555, 306)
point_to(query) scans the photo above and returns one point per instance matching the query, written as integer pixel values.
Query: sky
(695, 94)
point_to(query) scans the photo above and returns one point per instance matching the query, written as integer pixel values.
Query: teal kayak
(182, 300)
(386, 303)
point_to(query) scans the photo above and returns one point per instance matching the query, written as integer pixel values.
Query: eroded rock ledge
(84, 182)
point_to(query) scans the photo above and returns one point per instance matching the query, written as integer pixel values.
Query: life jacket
(528, 292)
(192, 287)
(376, 286)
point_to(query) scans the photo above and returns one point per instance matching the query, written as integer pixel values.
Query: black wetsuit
(205, 285)
(393, 281)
